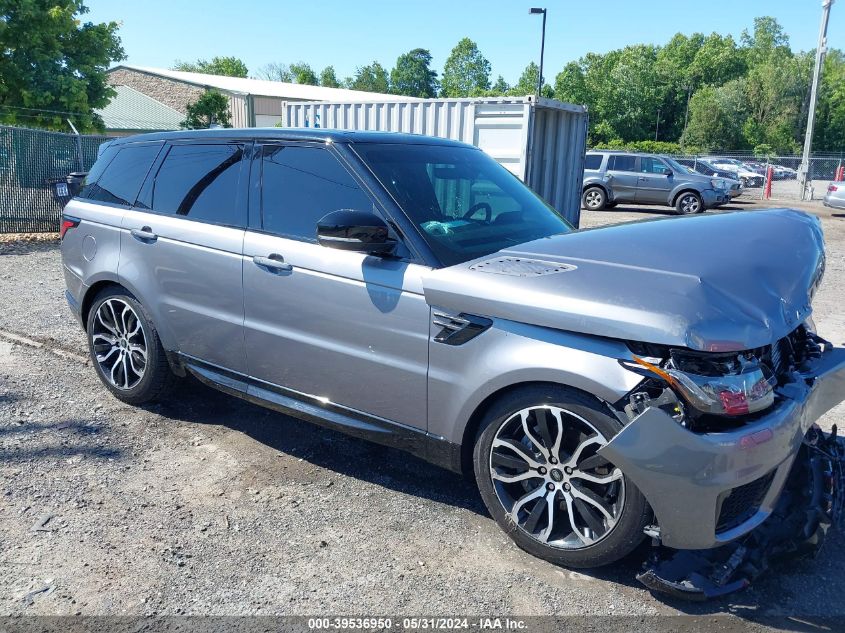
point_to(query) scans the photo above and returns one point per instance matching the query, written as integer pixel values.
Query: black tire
(157, 378)
(627, 532)
(593, 199)
(688, 202)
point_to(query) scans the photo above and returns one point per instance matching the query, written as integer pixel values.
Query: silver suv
(612, 177)
(411, 291)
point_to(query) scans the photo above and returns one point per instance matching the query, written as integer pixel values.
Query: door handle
(145, 234)
(273, 261)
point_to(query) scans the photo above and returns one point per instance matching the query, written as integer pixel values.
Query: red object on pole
(769, 174)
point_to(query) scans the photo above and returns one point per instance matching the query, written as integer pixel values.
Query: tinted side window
(302, 184)
(649, 165)
(621, 162)
(200, 182)
(121, 179)
(593, 161)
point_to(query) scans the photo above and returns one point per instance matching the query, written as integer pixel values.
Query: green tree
(303, 74)
(830, 116)
(716, 117)
(226, 66)
(571, 84)
(211, 108)
(371, 78)
(767, 39)
(328, 78)
(413, 76)
(466, 72)
(275, 71)
(500, 87)
(527, 84)
(53, 65)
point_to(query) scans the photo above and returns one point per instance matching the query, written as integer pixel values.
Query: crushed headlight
(718, 183)
(718, 384)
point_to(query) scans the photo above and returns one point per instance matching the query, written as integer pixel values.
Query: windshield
(464, 203)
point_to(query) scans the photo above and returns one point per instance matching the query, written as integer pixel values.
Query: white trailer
(542, 141)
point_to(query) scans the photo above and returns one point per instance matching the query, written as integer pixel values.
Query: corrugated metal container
(542, 141)
(239, 110)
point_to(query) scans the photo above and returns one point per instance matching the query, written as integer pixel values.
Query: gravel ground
(209, 505)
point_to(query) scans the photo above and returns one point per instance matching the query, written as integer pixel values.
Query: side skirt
(432, 448)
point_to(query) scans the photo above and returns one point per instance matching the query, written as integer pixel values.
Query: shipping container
(542, 141)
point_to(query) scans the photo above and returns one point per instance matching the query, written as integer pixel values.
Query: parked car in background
(742, 172)
(835, 196)
(735, 187)
(782, 172)
(652, 378)
(613, 177)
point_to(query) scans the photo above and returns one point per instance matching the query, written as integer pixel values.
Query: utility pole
(657, 124)
(537, 11)
(821, 49)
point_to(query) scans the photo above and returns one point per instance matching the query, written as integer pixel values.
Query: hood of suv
(716, 282)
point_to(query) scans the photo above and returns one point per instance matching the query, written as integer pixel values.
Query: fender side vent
(520, 267)
(457, 330)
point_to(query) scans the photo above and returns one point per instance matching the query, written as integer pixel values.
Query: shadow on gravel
(25, 247)
(800, 587)
(57, 452)
(79, 427)
(322, 447)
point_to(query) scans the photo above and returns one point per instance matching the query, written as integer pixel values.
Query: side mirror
(667, 172)
(359, 231)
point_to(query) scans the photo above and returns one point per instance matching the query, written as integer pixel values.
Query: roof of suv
(301, 134)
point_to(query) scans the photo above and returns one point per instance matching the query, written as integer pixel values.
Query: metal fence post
(79, 161)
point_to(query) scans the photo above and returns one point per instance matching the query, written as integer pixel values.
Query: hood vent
(521, 267)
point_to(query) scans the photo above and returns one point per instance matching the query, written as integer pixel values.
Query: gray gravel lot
(209, 505)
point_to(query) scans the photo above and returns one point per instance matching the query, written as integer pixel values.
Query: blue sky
(350, 33)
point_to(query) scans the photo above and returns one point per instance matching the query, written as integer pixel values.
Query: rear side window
(122, 176)
(593, 161)
(302, 184)
(199, 182)
(621, 162)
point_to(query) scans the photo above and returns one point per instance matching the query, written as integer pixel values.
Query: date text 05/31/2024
(375, 623)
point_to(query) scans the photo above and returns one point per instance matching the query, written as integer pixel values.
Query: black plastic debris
(812, 501)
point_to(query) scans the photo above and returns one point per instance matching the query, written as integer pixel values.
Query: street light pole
(537, 11)
(821, 49)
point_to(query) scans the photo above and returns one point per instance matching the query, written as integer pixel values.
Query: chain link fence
(31, 162)
(786, 184)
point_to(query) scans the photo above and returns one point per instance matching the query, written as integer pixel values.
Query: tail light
(67, 224)
(832, 188)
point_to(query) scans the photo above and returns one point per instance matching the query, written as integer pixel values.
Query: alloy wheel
(551, 482)
(119, 343)
(593, 199)
(690, 204)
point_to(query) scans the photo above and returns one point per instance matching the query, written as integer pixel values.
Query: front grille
(742, 503)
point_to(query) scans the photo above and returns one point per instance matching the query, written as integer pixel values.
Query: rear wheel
(593, 199)
(689, 202)
(537, 467)
(125, 348)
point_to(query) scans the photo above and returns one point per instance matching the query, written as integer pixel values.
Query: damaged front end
(812, 500)
(725, 448)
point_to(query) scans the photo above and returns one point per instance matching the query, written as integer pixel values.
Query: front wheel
(689, 202)
(593, 199)
(537, 467)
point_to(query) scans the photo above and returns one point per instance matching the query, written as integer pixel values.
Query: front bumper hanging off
(688, 478)
(728, 503)
(812, 501)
